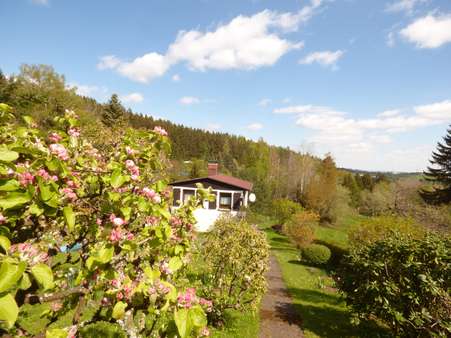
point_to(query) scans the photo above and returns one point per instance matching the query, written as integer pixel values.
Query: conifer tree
(114, 113)
(439, 173)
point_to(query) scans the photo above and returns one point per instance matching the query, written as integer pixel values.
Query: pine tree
(114, 113)
(440, 173)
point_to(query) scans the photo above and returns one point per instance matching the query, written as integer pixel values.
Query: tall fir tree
(440, 173)
(114, 112)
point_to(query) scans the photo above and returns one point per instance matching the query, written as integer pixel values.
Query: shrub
(402, 281)
(337, 252)
(283, 209)
(376, 228)
(102, 330)
(236, 255)
(300, 227)
(316, 254)
(87, 235)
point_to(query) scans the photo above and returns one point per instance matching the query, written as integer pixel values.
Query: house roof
(230, 180)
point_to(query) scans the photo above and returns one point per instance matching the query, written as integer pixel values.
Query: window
(187, 194)
(225, 200)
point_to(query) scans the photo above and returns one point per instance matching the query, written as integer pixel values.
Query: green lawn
(238, 324)
(322, 311)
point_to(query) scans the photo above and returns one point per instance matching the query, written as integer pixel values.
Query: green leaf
(25, 282)
(105, 254)
(197, 317)
(35, 209)
(175, 263)
(10, 274)
(5, 243)
(8, 310)
(9, 185)
(119, 310)
(28, 120)
(56, 333)
(183, 323)
(43, 275)
(5, 108)
(69, 216)
(14, 199)
(117, 179)
(7, 155)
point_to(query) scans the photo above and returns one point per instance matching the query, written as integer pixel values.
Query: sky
(368, 81)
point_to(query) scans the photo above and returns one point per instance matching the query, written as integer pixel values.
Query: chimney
(212, 168)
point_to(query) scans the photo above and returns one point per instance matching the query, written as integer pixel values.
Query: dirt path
(278, 317)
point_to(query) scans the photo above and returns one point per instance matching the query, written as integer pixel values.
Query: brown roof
(232, 181)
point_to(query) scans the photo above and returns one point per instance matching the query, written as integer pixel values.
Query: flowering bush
(300, 227)
(86, 236)
(236, 256)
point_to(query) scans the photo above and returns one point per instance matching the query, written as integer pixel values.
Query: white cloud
(189, 100)
(98, 92)
(132, 98)
(324, 58)
(429, 31)
(176, 78)
(391, 39)
(335, 127)
(40, 2)
(406, 6)
(246, 42)
(213, 126)
(254, 126)
(264, 102)
(389, 113)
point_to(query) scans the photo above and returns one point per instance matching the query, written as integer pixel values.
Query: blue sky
(368, 81)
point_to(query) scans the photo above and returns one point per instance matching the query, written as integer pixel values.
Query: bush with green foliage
(236, 256)
(377, 228)
(315, 254)
(337, 252)
(88, 236)
(402, 281)
(283, 209)
(300, 227)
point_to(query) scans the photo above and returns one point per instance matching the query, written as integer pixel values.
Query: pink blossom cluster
(188, 298)
(130, 151)
(55, 138)
(29, 253)
(205, 332)
(176, 222)
(151, 194)
(59, 150)
(46, 176)
(151, 220)
(123, 290)
(69, 193)
(159, 289)
(117, 221)
(164, 268)
(2, 219)
(206, 304)
(160, 130)
(72, 184)
(25, 178)
(74, 132)
(133, 169)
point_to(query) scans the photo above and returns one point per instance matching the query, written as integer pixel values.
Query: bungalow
(231, 194)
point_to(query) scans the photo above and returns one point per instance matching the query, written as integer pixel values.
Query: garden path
(278, 318)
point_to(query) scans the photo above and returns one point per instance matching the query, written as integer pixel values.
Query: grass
(322, 310)
(238, 324)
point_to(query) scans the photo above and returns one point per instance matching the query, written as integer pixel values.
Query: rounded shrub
(316, 254)
(300, 227)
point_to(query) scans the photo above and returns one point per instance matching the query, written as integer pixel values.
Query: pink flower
(149, 193)
(117, 221)
(156, 199)
(151, 220)
(54, 137)
(54, 178)
(129, 164)
(208, 304)
(115, 235)
(187, 299)
(26, 178)
(205, 332)
(164, 268)
(70, 194)
(116, 283)
(2, 219)
(129, 150)
(119, 296)
(59, 150)
(56, 306)
(44, 174)
(75, 132)
(160, 130)
(72, 184)
(130, 236)
(98, 221)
